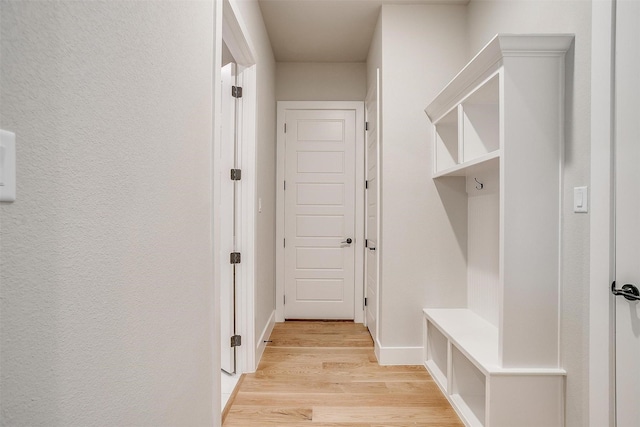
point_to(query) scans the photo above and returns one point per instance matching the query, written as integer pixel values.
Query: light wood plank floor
(326, 374)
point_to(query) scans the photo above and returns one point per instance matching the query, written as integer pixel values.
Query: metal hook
(481, 184)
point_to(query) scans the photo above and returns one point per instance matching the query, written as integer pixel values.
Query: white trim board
(388, 356)
(358, 106)
(398, 356)
(601, 405)
(215, 211)
(261, 344)
(236, 35)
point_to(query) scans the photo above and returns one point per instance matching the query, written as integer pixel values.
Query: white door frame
(601, 301)
(215, 210)
(235, 34)
(358, 106)
(374, 95)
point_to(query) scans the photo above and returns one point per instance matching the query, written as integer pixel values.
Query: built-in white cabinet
(498, 126)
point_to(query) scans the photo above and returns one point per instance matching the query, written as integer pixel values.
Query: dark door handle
(628, 291)
(348, 241)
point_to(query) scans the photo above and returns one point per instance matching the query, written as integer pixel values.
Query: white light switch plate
(580, 199)
(7, 166)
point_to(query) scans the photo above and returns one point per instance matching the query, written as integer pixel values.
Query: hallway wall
(331, 81)
(422, 259)
(486, 18)
(106, 259)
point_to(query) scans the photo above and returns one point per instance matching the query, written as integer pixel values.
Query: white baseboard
(399, 355)
(376, 349)
(264, 336)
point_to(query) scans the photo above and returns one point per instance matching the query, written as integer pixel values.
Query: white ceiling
(324, 30)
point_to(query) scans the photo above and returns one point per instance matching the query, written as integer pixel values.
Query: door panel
(318, 259)
(318, 226)
(319, 214)
(372, 208)
(227, 214)
(327, 289)
(321, 162)
(627, 143)
(314, 130)
(318, 194)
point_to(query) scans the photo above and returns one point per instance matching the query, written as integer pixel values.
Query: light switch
(580, 199)
(7, 166)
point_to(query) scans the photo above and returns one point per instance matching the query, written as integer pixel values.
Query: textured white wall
(265, 164)
(423, 261)
(374, 57)
(486, 18)
(305, 81)
(106, 260)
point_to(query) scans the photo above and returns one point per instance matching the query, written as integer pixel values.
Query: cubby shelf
(497, 130)
(477, 339)
(473, 379)
(480, 163)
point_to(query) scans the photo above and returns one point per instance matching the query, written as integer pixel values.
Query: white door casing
(601, 403)
(235, 34)
(372, 206)
(627, 210)
(321, 158)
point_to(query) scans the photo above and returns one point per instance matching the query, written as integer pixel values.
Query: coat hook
(481, 184)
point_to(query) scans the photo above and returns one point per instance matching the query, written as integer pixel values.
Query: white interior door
(319, 214)
(627, 147)
(227, 218)
(371, 207)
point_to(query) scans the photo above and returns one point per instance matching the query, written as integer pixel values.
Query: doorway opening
(234, 189)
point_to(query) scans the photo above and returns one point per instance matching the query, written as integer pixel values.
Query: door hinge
(284, 185)
(366, 125)
(284, 243)
(234, 258)
(285, 128)
(236, 174)
(366, 244)
(365, 302)
(284, 299)
(236, 341)
(366, 185)
(236, 91)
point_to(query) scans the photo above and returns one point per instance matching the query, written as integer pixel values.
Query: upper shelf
(481, 163)
(488, 60)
